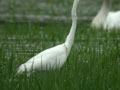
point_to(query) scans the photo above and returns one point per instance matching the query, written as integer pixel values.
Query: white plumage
(49, 59)
(54, 57)
(112, 20)
(106, 19)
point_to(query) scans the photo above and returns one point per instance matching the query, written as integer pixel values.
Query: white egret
(54, 57)
(106, 19)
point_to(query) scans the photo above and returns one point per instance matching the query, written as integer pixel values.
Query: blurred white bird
(54, 57)
(106, 19)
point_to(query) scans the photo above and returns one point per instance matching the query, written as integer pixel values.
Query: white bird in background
(54, 57)
(106, 19)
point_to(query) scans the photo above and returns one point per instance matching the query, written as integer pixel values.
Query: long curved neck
(102, 14)
(105, 8)
(70, 38)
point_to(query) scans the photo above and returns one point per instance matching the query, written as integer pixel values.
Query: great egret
(54, 57)
(105, 18)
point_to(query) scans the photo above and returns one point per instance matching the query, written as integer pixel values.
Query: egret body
(105, 18)
(54, 57)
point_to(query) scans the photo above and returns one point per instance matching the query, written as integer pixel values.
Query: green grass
(52, 8)
(93, 64)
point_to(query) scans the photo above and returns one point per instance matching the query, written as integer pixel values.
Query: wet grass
(93, 64)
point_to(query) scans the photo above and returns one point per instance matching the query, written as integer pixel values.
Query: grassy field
(29, 10)
(93, 64)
